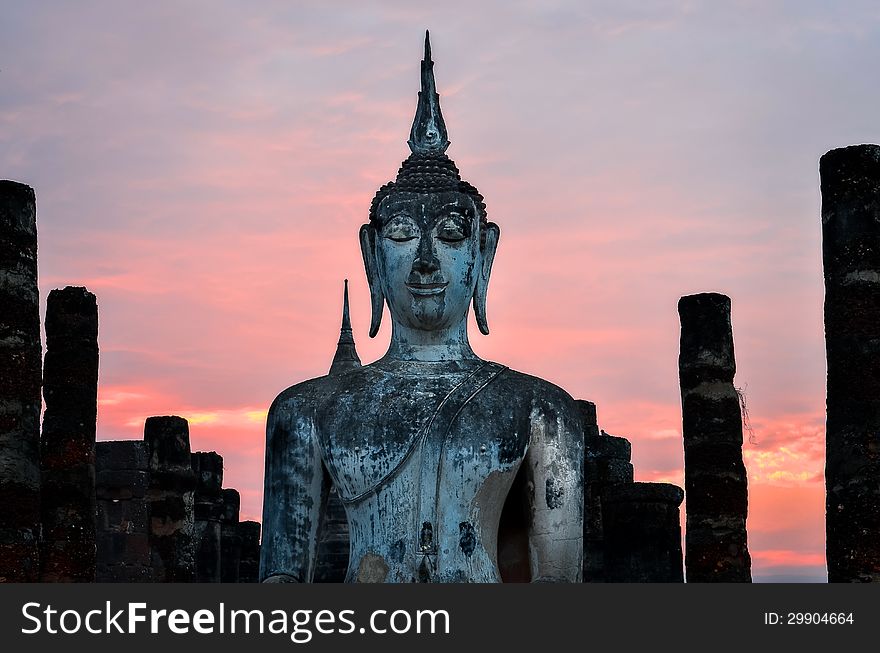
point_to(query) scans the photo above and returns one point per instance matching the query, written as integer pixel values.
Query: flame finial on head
(428, 133)
(427, 169)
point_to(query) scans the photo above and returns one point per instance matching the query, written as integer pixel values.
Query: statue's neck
(412, 344)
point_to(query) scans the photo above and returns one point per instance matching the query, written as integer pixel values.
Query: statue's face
(428, 257)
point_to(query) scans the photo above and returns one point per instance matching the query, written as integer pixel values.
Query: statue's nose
(426, 261)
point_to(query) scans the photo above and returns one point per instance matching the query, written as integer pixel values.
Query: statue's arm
(295, 491)
(554, 492)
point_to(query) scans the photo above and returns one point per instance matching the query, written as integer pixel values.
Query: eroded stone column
(67, 445)
(20, 371)
(249, 569)
(606, 463)
(208, 512)
(850, 179)
(716, 547)
(123, 535)
(593, 554)
(230, 540)
(642, 532)
(172, 484)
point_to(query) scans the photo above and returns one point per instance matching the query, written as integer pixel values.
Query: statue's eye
(451, 231)
(401, 230)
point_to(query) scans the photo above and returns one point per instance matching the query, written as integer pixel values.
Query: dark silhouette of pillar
(606, 463)
(249, 569)
(593, 553)
(642, 533)
(123, 535)
(172, 485)
(20, 371)
(208, 512)
(850, 179)
(230, 539)
(67, 446)
(715, 478)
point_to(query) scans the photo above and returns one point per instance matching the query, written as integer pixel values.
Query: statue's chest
(418, 431)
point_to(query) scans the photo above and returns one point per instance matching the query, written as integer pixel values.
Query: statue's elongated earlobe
(371, 267)
(482, 287)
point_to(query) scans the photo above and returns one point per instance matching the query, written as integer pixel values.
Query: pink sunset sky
(203, 168)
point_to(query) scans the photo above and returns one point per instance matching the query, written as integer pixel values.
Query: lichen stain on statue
(427, 445)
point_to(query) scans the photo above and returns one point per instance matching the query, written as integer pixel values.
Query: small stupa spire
(346, 357)
(428, 133)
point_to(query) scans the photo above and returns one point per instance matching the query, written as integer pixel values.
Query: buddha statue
(427, 444)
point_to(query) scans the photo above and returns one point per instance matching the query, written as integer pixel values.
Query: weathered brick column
(715, 478)
(20, 371)
(606, 464)
(850, 180)
(123, 536)
(67, 446)
(249, 569)
(593, 554)
(172, 484)
(642, 532)
(230, 540)
(208, 512)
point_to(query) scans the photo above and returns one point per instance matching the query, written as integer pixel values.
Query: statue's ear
(371, 267)
(492, 233)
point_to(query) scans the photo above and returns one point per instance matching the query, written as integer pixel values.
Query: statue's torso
(423, 489)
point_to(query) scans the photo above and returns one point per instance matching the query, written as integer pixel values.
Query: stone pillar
(123, 534)
(850, 179)
(208, 512)
(606, 463)
(249, 570)
(172, 484)
(20, 370)
(593, 555)
(67, 446)
(715, 477)
(230, 540)
(642, 531)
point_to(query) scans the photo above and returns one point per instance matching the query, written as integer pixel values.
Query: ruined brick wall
(642, 533)
(123, 538)
(230, 538)
(249, 567)
(171, 499)
(207, 513)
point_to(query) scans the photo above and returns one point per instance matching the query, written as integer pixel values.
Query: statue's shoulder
(312, 394)
(536, 391)
(298, 394)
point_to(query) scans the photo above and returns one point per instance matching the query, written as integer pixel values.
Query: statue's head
(428, 247)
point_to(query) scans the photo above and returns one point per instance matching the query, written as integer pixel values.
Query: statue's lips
(426, 289)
